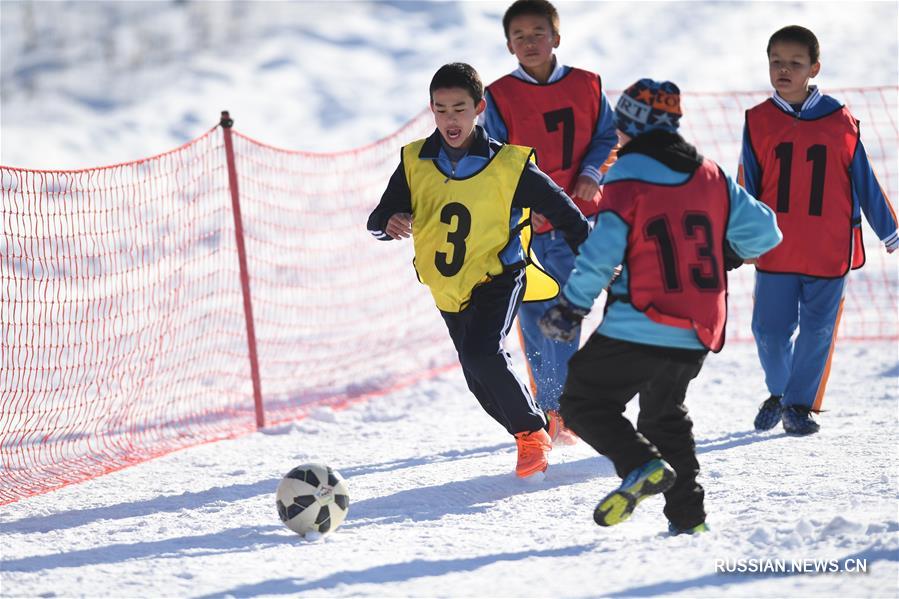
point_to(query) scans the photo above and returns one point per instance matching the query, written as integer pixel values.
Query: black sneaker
(769, 414)
(798, 421)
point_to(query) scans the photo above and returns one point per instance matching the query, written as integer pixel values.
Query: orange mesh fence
(337, 313)
(125, 331)
(123, 336)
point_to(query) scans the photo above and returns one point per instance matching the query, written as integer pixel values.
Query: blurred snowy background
(90, 83)
(435, 509)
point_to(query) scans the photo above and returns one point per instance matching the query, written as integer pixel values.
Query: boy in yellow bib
(461, 196)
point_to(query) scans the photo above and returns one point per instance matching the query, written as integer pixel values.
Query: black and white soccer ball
(312, 498)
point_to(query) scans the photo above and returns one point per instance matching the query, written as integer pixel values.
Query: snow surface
(435, 507)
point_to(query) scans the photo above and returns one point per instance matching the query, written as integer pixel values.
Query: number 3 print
(455, 237)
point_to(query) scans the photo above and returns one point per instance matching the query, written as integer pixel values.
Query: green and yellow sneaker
(652, 478)
(699, 528)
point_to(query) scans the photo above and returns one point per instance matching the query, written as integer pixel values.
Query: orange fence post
(226, 123)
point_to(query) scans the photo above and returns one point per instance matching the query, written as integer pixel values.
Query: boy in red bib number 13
(672, 219)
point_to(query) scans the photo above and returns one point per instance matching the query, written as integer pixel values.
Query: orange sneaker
(532, 450)
(558, 432)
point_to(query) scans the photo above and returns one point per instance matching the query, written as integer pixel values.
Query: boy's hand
(585, 188)
(562, 322)
(537, 221)
(399, 226)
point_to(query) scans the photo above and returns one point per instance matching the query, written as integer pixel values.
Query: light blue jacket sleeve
(492, 122)
(869, 195)
(752, 225)
(596, 261)
(601, 144)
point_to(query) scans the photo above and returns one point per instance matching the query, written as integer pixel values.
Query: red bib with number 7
(556, 119)
(675, 249)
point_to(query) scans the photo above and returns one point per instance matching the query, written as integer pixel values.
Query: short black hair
(458, 74)
(799, 35)
(540, 8)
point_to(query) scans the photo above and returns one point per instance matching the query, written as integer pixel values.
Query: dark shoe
(769, 414)
(699, 528)
(653, 477)
(798, 421)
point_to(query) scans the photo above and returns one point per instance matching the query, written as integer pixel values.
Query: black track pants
(478, 332)
(603, 377)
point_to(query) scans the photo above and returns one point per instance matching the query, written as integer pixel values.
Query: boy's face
(790, 68)
(455, 114)
(531, 40)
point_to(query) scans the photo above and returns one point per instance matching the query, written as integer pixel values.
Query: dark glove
(731, 259)
(562, 322)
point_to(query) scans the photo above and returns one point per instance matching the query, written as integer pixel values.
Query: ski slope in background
(92, 83)
(435, 507)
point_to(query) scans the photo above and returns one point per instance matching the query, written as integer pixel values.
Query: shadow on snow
(65, 519)
(387, 573)
(484, 488)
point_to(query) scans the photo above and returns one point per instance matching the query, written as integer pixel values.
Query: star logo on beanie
(663, 119)
(648, 105)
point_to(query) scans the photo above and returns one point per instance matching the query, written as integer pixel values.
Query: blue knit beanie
(648, 105)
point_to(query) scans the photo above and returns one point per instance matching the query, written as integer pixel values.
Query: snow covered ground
(437, 511)
(435, 508)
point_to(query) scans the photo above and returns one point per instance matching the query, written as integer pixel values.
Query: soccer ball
(312, 498)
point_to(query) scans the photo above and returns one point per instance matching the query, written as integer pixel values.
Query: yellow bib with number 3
(460, 226)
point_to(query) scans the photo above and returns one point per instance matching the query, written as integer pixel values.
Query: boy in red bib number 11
(803, 157)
